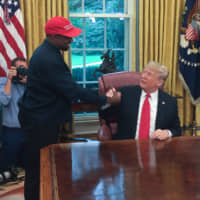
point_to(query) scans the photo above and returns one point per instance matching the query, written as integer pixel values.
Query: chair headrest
(117, 80)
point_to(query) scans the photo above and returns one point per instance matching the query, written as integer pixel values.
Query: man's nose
(143, 75)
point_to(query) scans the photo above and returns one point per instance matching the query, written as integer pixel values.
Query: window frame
(128, 9)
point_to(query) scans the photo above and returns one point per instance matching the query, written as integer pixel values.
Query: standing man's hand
(113, 96)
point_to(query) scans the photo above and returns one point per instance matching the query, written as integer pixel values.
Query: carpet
(13, 190)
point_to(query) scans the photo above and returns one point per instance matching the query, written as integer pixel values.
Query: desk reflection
(126, 170)
(100, 168)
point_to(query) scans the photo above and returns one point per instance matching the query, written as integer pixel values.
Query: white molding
(91, 15)
(86, 124)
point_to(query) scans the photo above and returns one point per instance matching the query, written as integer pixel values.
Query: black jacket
(51, 90)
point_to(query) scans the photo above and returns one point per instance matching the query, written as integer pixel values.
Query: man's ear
(161, 83)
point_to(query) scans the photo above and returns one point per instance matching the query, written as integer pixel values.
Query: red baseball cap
(61, 26)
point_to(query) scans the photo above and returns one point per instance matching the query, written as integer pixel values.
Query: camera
(21, 72)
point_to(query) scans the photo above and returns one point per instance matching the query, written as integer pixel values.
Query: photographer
(13, 137)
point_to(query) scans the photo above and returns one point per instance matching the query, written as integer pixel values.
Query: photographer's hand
(23, 80)
(12, 72)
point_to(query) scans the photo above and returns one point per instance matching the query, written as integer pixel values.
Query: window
(105, 25)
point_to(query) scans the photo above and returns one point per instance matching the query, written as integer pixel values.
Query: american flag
(12, 40)
(190, 33)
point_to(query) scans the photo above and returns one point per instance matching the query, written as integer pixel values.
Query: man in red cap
(46, 103)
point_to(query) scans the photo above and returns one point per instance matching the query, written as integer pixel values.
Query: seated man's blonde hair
(160, 68)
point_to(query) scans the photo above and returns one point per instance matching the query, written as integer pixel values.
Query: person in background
(46, 103)
(13, 137)
(146, 111)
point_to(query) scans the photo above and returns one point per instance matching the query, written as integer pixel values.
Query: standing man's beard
(64, 48)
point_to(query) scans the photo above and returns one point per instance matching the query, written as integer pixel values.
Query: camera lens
(21, 70)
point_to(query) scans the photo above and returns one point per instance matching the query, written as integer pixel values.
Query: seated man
(146, 111)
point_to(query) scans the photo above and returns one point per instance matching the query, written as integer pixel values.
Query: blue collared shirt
(9, 103)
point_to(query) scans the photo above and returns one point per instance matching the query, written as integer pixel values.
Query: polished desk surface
(122, 170)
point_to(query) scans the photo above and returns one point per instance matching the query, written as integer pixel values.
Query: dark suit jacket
(50, 90)
(167, 114)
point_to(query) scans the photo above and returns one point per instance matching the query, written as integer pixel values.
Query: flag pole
(194, 127)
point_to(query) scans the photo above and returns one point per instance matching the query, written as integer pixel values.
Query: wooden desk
(84, 107)
(122, 170)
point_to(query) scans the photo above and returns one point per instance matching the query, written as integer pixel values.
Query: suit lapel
(161, 108)
(137, 101)
(134, 113)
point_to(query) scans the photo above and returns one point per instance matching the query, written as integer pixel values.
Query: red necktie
(145, 119)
